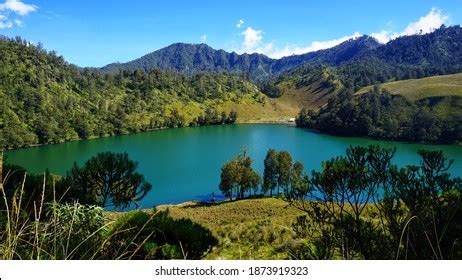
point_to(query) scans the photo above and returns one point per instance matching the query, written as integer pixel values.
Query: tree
(417, 209)
(433, 202)
(250, 180)
(284, 168)
(237, 176)
(299, 181)
(107, 179)
(270, 173)
(229, 178)
(232, 117)
(224, 117)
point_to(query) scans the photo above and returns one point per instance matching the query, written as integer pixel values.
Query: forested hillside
(44, 99)
(380, 114)
(190, 59)
(362, 61)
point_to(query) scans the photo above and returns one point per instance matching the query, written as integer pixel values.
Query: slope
(416, 89)
(45, 100)
(190, 59)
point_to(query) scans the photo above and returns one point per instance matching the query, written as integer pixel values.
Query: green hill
(417, 89)
(44, 99)
(309, 87)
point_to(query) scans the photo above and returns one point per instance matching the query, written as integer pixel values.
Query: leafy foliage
(421, 203)
(44, 100)
(238, 177)
(107, 180)
(380, 114)
(139, 235)
(277, 171)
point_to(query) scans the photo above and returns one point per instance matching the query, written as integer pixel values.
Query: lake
(184, 164)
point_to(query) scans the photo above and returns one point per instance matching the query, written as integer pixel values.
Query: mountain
(337, 55)
(191, 59)
(441, 48)
(44, 99)
(408, 57)
(439, 52)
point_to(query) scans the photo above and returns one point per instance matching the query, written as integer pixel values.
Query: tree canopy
(238, 177)
(107, 180)
(380, 114)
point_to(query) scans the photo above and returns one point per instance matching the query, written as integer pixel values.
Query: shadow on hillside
(198, 204)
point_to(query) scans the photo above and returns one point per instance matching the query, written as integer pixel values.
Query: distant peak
(182, 44)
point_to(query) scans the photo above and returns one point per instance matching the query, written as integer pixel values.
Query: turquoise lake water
(184, 164)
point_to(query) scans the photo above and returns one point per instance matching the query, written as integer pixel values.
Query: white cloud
(14, 7)
(240, 23)
(252, 38)
(384, 36)
(314, 46)
(254, 42)
(5, 23)
(203, 38)
(18, 7)
(426, 24)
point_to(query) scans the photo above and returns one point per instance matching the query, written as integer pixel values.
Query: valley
(197, 153)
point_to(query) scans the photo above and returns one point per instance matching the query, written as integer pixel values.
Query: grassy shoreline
(252, 228)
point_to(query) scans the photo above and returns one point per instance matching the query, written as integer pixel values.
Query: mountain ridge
(191, 59)
(421, 50)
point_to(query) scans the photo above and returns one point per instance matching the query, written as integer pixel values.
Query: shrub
(139, 235)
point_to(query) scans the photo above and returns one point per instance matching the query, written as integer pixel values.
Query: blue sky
(97, 32)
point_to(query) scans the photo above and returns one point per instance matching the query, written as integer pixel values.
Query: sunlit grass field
(416, 89)
(246, 229)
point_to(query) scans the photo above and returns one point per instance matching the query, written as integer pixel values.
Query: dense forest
(362, 61)
(380, 114)
(43, 99)
(408, 57)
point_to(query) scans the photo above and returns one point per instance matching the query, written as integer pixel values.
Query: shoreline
(148, 130)
(269, 121)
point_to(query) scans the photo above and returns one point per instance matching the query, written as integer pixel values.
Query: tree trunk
(1, 170)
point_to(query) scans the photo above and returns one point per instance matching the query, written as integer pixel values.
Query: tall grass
(53, 231)
(47, 230)
(38, 226)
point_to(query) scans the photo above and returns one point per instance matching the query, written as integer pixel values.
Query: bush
(139, 235)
